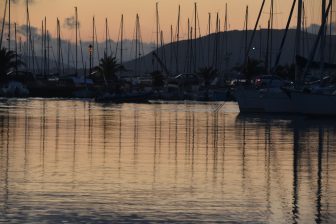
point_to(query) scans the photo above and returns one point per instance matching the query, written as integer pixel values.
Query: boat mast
(246, 29)
(3, 23)
(9, 25)
(121, 38)
(93, 40)
(16, 50)
(171, 46)
(157, 28)
(42, 46)
(267, 46)
(271, 35)
(48, 51)
(209, 42)
(323, 38)
(298, 75)
(76, 51)
(136, 43)
(45, 47)
(254, 31)
(58, 48)
(216, 41)
(195, 37)
(330, 32)
(226, 38)
(106, 36)
(284, 37)
(178, 39)
(319, 35)
(96, 39)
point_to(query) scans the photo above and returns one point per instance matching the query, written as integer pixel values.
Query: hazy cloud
(70, 23)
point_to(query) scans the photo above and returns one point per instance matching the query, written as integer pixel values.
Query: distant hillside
(206, 49)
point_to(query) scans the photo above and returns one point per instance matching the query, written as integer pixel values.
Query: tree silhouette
(108, 67)
(253, 68)
(207, 74)
(158, 80)
(8, 61)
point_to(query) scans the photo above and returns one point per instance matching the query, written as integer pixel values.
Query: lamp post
(90, 54)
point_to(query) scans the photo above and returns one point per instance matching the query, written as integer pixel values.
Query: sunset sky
(112, 9)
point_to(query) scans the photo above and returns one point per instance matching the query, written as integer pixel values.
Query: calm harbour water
(67, 161)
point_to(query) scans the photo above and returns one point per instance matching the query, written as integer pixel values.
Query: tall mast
(157, 28)
(216, 42)
(226, 36)
(254, 31)
(121, 38)
(136, 37)
(246, 28)
(42, 47)
(284, 36)
(45, 47)
(298, 75)
(303, 28)
(330, 32)
(3, 24)
(171, 46)
(209, 42)
(93, 39)
(106, 36)
(195, 33)
(93, 42)
(16, 49)
(76, 51)
(28, 35)
(189, 48)
(136, 43)
(48, 53)
(58, 47)
(9, 24)
(271, 33)
(178, 39)
(195, 37)
(267, 46)
(323, 38)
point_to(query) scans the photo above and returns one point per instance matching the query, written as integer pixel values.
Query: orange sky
(146, 9)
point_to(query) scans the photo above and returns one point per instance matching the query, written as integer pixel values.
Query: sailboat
(277, 100)
(320, 99)
(248, 96)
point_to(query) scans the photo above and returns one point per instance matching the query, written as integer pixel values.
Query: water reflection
(312, 156)
(74, 161)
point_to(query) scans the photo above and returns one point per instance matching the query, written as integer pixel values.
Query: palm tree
(8, 61)
(108, 67)
(158, 80)
(207, 74)
(253, 68)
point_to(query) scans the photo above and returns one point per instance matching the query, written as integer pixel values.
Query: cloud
(70, 23)
(22, 30)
